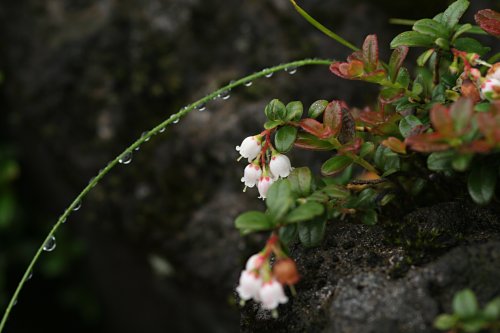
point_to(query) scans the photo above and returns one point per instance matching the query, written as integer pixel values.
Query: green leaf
(336, 191)
(294, 111)
(311, 233)
(366, 148)
(396, 61)
(305, 212)
(454, 12)
(481, 182)
(275, 110)
(431, 28)
(300, 181)
(470, 45)
(461, 162)
(492, 309)
(407, 124)
(465, 304)
(279, 198)
(445, 322)
(403, 78)
(272, 123)
(386, 159)
(461, 30)
(253, 221)
(370, 217)
(442, 43)
(285, 138)
(440, 161)
(317, 108)
(424, 57)
(474, 325)
(288, 233)
(335, 165)
(412, 38)
(318, 196)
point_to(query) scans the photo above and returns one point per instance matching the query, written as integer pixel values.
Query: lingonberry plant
(445, 119)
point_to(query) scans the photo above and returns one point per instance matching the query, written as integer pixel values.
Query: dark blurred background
(153, 248)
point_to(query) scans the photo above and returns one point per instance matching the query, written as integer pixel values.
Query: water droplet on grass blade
(162, 130)
(248, 84)
(145, 134)
(126, 158)
(202, 107)
(50, 244)
(291, 70)
(77, 206)
(225, 95)
(269, 75)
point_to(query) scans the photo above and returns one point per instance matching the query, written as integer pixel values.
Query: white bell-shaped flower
(272, 294)
(251, 175)
(263, 185)
(280, 166)
(490, 89)
(250, 285)
(250, 147)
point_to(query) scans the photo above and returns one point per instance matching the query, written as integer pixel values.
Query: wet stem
(145, 137)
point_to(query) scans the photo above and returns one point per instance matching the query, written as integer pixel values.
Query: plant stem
(399, 21)
(137, 143)
(322, 28)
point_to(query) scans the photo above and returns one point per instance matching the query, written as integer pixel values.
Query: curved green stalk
(322, 28)
(159, 128)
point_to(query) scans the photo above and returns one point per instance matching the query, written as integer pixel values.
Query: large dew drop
(248, 84)
(269, 75)
(291, 70)
(144, 134)
(202, 107)
(50, 244)
(77, 206)
(225, 95)
(126, 158)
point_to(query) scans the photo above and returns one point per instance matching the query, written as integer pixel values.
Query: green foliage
(467, 315)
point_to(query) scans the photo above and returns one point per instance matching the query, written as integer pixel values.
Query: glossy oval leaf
(279, 198)
(253, 221)
(317, 108)
(412, 38)
(294, 111)
(311, 233)
(285, 138)
(305, 212)
(300, 181)
(335, 165)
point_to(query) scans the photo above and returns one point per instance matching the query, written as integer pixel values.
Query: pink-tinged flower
(250, 285)
(280, 166)
(264, 183)
(494, 72)
(490, 89)
(251, 175)
(271, 295)
(250, 147)
(254, 262)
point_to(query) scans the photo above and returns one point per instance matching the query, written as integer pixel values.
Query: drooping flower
(271, 295)
(280, 166)
(265, 182)
(251, 175)
(254, 262)
(250, 147)
(250, 286)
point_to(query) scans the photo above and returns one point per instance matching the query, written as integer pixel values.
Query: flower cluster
(265, 166)
(263, 284)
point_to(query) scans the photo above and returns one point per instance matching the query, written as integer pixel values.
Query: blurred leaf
(482, 181)
(445, 322)
(465, 304)
(440, 161)
(407, 125)
(279, 198)
(300, 181)
(311, 233)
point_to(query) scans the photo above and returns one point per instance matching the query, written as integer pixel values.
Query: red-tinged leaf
(315, 128)
(489, 21)
(396, 61)
(372, 117)
(427, 143)
(489, 125)
(348, 70)
(310, 142)
(332, 117)
(358, 55)
(352, 147)
(478, 146)
(441, 120)
(461, 113)
(389, 95)
(370, 52)
(395, 145)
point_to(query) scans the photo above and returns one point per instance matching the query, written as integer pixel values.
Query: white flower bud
(251, 175)
(254, 261)
(280, 166)
(271, 295)
(250, 147)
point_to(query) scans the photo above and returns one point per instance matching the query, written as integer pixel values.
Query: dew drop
(144, 134)
(30, 275)
(162, 130)
(63, 221)
(248, 84)
(176, 121)
(137, 148)
(225, 95)
(50, 244)
(202, 107)
(291, 70)
(126, 158)
(269, 75)
(14, 303)
(77, 206)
